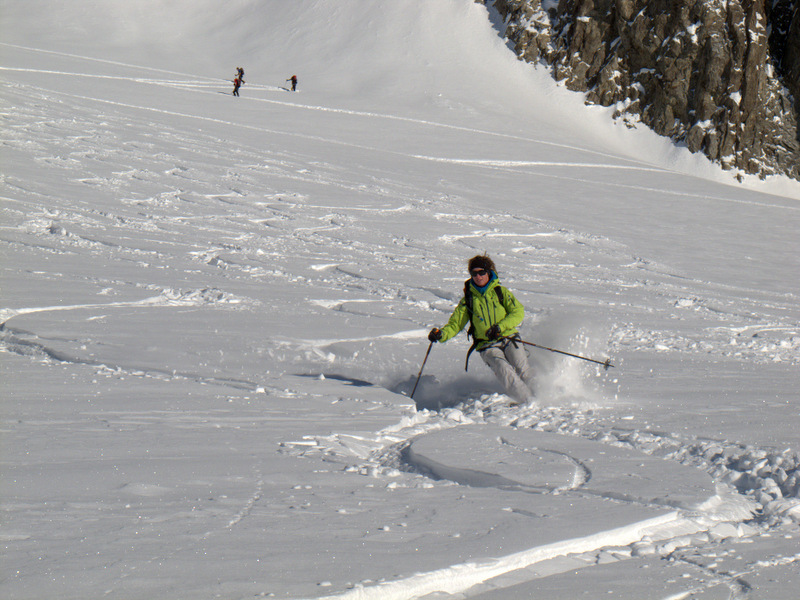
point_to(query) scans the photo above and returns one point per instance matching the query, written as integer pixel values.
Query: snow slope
(214, 309)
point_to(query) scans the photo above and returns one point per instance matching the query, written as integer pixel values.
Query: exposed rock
(721, 76)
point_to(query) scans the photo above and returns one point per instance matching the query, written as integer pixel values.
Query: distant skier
(293, 79)
(493, 314)
(240, 75)
(236, 84)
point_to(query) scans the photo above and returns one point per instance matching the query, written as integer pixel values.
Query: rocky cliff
(721, 76)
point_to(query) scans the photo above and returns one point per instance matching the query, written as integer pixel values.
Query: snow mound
(535, 461)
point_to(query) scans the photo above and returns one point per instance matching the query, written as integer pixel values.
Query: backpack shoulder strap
(499, 291)
(468, 295)
(468, 302)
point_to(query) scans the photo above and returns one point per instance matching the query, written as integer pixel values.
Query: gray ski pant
(509, 362)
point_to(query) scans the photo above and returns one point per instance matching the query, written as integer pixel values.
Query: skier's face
(480, 277)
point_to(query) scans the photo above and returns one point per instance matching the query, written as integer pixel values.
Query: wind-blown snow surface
(214, 310)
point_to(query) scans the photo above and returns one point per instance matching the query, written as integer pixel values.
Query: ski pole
(606, 363)
(420, 370)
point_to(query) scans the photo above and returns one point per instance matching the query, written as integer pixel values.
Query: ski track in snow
(724, 515)
(245, 230)
(200, 85)
(165, 299)
(461, 578)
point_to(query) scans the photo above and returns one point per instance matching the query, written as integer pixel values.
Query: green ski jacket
(487, 310)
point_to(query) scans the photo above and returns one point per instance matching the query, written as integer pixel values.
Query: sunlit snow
(214, 310)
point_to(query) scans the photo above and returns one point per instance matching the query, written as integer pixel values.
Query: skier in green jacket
(494, 315)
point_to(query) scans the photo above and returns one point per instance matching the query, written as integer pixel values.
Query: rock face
(721, 76)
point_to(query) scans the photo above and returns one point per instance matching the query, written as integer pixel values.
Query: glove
(493, 332)
(435, 335)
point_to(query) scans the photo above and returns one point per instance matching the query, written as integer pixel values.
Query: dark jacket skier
(293, 79)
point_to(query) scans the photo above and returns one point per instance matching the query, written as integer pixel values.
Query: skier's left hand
(493, 332)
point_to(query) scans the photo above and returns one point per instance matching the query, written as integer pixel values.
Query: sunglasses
(479, 272)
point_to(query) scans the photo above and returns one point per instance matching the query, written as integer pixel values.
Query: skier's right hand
(493, 332)
(435, 335)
